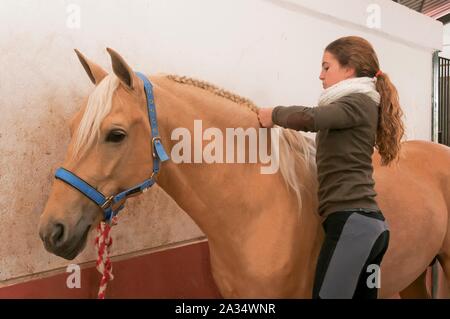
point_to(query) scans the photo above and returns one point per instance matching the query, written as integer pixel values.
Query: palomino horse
(263, 241)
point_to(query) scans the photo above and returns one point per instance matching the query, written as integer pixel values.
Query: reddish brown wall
(182, 272)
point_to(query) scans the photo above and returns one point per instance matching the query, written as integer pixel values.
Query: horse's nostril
(57, 235)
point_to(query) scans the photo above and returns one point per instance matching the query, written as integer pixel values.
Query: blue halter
(158, 153)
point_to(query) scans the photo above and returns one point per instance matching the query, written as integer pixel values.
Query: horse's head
(109, 149)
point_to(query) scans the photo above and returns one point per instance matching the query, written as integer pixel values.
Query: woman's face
(333, 72)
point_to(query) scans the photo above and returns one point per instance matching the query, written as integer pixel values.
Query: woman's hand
(265, 117)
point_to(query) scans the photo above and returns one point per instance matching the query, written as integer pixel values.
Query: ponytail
(390, 125)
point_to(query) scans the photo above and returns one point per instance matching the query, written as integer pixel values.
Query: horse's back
(413, 195)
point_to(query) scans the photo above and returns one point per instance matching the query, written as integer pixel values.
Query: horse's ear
(121, 69)
(93, 70)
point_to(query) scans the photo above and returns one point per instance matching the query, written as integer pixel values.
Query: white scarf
(364, 85)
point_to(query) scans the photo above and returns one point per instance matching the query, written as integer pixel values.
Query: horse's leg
(416, 290)
(444, 260)
(444, 254)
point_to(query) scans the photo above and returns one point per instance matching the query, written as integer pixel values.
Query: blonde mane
(98, 107)
(297, 152)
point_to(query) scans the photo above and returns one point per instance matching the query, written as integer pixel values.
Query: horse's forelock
(98, 107)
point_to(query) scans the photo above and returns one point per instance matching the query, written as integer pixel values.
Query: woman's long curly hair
(359, 54)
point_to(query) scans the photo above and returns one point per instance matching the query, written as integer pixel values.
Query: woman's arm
(348, 111)
(300, 118)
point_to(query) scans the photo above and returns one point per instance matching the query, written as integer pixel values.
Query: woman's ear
(350, 72)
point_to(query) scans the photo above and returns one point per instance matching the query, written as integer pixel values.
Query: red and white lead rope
(103, 242)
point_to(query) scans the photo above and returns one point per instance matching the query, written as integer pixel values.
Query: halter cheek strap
(158, 153)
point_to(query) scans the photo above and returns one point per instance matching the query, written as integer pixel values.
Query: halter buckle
(154, 175)
(156, 138)
(107, 203)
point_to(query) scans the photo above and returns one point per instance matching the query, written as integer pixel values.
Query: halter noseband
(158, 153)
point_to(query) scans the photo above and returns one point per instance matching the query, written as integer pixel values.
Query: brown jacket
(345, 141)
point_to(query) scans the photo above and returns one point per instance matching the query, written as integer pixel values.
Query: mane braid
(214, 89)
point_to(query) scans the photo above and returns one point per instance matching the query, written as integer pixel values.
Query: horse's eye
(116, 136)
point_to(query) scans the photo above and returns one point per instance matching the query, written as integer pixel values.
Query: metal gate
(443, 101)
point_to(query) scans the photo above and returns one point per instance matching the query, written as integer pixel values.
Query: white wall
(267, 50)
(446, 42)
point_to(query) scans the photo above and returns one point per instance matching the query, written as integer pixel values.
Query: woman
(358, 109)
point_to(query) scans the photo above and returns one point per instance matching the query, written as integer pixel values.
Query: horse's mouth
(73, 250)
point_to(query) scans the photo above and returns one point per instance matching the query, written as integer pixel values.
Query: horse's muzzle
(57, 240)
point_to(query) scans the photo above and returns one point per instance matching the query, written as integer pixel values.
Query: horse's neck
(250, 218)
(212, 194)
